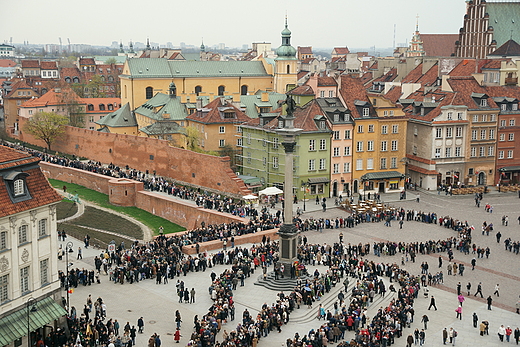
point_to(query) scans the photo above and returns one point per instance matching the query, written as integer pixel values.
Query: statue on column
(291, 105)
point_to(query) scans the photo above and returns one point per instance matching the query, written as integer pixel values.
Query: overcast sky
(352, 23)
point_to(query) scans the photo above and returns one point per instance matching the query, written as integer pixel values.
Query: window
(22, 234)
(475, 118)
(370, 164)
(346, 151)
(493, 118)
(438, 133)
(511, 122)
(511, 137)
(491, 134)
(448, 152)
(198, 90)
(239, 142)
(395, 129)
(459, 115)
(359, 164)
(336, 118)
(3, 240)
(149, 92)
(360, 129)
(312, 165)
(384, 129)
(264, 161)
(335, 168)
(248, 139)
(243, 90)
(90, 119)
(335, 152)
(515, 107)
(483, 134)
(450, 116)
(393, 163)
(414, 150)
(101, 107)
(4, 288)
(491, 151)
(24, 279)
(394, 145)
(275, 162)
(366, 112)
(312, 145)
(346, 167)
(383, 163)
(371, 128)
(275, 143)
(221, 129)
(437, 152)
(483, 102)
(473, 151)
(335, 135)
(19, 187)
(323, 163)
(221, 143)
(503, 123)
(42, 227)
(457, 151)
(458, 131)
(90, 107)
(359, 146)
(481, 151)
(323, 144)
(249, 157)
(221, 90)
(484, 117)
(347, 134)
(502, 137)
(500, 154)
(331, 93)
(473, 134)
(322, 94)
(44, 272)
(370, 145)
(449, 132)
(384, 146)
(509, 154)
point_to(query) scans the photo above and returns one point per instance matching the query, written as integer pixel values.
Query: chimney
(236, 97)
(265, 97)
(183, 98)
(199, 103)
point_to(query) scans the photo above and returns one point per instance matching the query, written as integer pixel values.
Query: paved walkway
(157, 303)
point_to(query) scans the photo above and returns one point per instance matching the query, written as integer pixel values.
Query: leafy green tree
(192, 138)
(46, 126)
(111, 60)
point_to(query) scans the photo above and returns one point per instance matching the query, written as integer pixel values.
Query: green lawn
(99, 219)
(152, 221)
(65, 209)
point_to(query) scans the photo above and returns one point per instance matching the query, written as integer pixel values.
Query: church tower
(286, 64)
(416, 48)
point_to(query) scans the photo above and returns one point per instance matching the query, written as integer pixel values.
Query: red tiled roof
(302, 90)
(87, 61)
(367, 77)
(464, 87)
(439, 45)
(22, 84)
(509, 49)
(351, 90)
(421, 160)
(504, 91)
(30, 63)
(302, 74)
(387, 77)
(493, 64)
(326, 81)
(341, 50)
(216, 113)
(48, 65)
(336, 59)
(430, 77)
(52, 98)
(7, 63)
(414, 75)
(421, 170)
(394, 94)
(467, 67)
(303, 117)
(307, 60)
(41, 192)
(305, 50)
(105, 101)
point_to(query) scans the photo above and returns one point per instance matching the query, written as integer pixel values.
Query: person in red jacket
(177, 335)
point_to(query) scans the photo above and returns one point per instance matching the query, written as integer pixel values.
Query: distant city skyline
(350, 23)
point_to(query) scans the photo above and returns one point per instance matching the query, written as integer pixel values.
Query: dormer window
(18, 187)
(366, 111)
(503, 107)
(322, 124)
(336, 118)
(515, 107)
(483, 103)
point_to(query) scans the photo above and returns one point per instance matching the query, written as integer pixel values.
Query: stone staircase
(280, 284)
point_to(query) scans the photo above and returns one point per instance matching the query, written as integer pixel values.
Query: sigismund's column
(288, 233)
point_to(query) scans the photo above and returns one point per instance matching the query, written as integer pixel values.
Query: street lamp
(68, 249)
(31, 307)
(304, 186)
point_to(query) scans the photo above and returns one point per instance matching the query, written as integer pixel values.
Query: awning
(381, 175)
(318, 180)
(393, 182)
(271, 191)
(251, 181)
(509, 168)
(14, 326)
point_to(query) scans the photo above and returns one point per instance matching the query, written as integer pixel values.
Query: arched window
(75, 80)
(101, 107)
(110, 78)
(67, 79)
(110, 107)
(243, 90)
(102, 78)
(126, 92)
(221, 90)
(90, 107)
(288, 68)
(149, 92)
(198, 90)
(44, 90)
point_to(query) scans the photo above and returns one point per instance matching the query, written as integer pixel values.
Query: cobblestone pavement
(157, 303)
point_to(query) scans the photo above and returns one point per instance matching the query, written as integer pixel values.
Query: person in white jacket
(501, 332)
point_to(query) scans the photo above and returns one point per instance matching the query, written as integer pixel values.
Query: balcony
(511, 81)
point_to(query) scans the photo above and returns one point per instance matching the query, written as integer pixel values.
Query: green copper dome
(286, 50)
